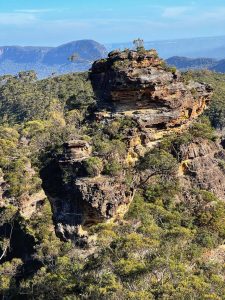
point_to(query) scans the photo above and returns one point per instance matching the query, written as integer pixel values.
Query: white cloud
(216, 14)
(207, 18)
(16, 18)
(36, 11)
(121, 24)
(175, 11)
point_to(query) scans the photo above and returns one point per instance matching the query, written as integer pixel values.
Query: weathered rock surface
(29, 204)
(77, 149)
(141, 85)
(85, 200)
(198, 148)
(89, 201)
(157, 99)
(203, 167)
(104, 194)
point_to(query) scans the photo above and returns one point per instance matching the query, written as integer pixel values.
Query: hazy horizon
(115, 42)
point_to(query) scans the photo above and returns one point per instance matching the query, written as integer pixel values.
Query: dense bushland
(163, 248)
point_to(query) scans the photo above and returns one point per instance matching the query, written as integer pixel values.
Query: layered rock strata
(158, 100)
(140, 85)
(86, 200)
(203, 167)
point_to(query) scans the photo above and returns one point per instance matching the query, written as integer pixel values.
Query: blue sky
(53, 22)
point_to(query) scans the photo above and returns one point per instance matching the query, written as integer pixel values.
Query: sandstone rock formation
(85, 200)
(107, 195)
(27, 203)
(203, 167)
(89, 201)
(77, 149)
(139, 84)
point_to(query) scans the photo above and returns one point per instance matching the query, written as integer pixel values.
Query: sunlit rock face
(202, 166)
(157, 100)
(141, 85)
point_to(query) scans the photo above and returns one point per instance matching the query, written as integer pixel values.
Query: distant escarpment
(202, 63)
(141, 85)
(46, 61)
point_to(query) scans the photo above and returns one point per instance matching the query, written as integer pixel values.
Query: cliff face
(140, 85)
(28, 203)
(202, 167)
(85, 200)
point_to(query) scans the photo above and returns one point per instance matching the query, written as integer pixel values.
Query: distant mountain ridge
(20, 54)
(193, 53)
(48, 60)
(186, 63)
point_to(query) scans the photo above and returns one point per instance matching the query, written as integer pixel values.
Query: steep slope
(87, 50)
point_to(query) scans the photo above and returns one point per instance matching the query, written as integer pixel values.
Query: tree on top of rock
(139, 44)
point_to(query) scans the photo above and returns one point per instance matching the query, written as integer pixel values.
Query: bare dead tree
(138, 44)
(6, 247)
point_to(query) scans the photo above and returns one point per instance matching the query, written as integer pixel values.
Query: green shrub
(110, 148)
(93, 166)
(206, 239)
(130, 267)
(202, 129)
(164, 190)
(159, 162)
(113, 168)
